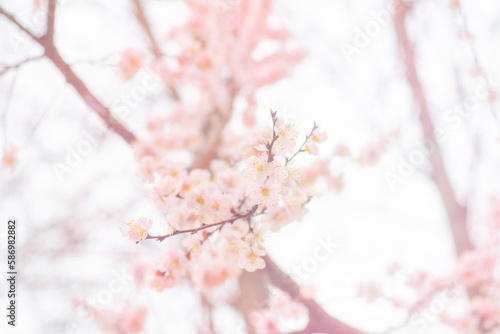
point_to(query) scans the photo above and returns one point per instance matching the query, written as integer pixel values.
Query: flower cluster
(217, 55)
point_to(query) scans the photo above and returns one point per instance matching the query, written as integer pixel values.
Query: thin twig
(270, 145)
(301, 149)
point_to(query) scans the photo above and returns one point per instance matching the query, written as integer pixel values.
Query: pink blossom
(476, 267)
(251, 259)
(137, 230)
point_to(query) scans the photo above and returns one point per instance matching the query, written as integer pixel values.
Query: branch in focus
(249, 214)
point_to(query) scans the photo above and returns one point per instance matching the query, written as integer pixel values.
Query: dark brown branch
(12, 19)
(457, 213)
(53, 55)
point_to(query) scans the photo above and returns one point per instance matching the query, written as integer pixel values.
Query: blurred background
(354, 82)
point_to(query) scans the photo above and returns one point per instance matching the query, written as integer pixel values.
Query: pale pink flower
(192, 245)
(175, 262)
(9, 158)
(161, 281)
(393, 269)
(255, 238)
(267, 323)
(307, 291)
(266, 194)
(317, 137)
(237, 230)
(169, 186)
(130, 63)
(132, 319)
(487, 311)
(418, 280)
(211, 272)
(494, 214)
(371, 291)
(172, 169)
(476, 267)
(287, 135)
(251, 259)
(276, 218)
(467, 325)
(257, 169)
(147, 168)
(342, 151)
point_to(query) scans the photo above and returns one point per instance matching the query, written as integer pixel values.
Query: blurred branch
(141, 16)
(319, 320)
(12, 19)
(6, 68)
(457, 213)
(53, 55)
(257, 282)
(51, 15)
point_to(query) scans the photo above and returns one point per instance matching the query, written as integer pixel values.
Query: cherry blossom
(137, 230)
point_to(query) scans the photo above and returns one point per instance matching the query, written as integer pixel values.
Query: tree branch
(319, 320)
(141, 16)
(457, 213)
(12, 19)
(51, 15)
(6, 68)
(53, 55)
